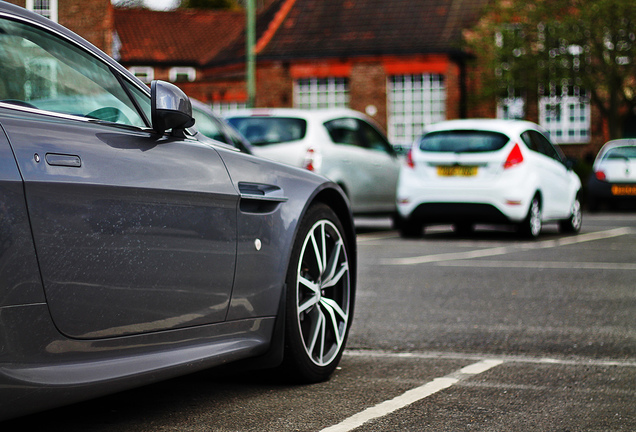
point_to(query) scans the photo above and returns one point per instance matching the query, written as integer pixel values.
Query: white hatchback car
(465, 172)
(341, 144)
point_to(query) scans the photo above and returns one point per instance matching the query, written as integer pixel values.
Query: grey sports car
(134, 249)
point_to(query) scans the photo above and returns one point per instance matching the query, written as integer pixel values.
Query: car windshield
(460, 141)
(261, 131)
(627, 152)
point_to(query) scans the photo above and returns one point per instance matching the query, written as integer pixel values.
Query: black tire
(463, 228)
(320, 298)
(531, 225)
(573, 223)
(408, 228)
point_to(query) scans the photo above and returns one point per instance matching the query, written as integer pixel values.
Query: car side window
(527, 139)
(207, 125)
(546, 147)
(40, 70)
(374, 139)
(344, 131)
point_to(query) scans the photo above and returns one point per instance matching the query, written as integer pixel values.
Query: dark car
(217, 128)
(133, 249)
(613, 180)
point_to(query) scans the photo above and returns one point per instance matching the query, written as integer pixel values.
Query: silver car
(134, 249)
(341, 144)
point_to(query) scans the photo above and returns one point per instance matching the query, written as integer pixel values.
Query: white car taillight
(312, 160)
(514, 158)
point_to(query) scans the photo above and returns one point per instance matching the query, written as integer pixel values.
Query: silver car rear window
(627, 152)
(262, 131)
(463, 141)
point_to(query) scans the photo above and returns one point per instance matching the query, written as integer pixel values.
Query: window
(463, 141)
(566, 116)
(46, 8)
(221, 107)
(511, 108)
(207, 125)
(358, 133)
(182, 74)
(43, 72)
(261, 131)
(539, 143)
(414, 102)
(144, 73)
(312, 93)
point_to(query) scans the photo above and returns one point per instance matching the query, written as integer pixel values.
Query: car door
(362, 158)
(553, 176)
(384, 164)
(134, 232)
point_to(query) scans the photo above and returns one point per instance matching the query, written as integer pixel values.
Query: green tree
(209, 4)
(529, 48)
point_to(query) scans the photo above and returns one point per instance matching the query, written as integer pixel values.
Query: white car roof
(319, 115)
(613, 144)
(508, 127)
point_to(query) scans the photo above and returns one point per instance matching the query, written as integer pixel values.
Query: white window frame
(50, 13)
(511, 108)
(144, 73)
(189, 72)
(222, 107)
(316, 93)
(413, 102)
(567, 117)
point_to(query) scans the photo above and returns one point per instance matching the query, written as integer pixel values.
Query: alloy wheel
(323, 292)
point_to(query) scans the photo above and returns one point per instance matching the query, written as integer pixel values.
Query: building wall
(274, 85)
(367, 90)
(367, 83)
(91, 19)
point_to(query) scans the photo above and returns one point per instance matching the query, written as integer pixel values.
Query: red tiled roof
(336, 28)
(296, 29)
(178, 37)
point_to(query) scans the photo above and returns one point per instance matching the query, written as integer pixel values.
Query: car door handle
(59, 159)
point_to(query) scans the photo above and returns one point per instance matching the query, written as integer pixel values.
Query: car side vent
(260, 198)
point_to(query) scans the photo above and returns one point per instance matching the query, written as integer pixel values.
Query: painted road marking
(435, 355)
(540, 265)
(413, 395)
(502, 250)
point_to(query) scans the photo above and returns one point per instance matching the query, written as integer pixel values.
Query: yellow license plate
(624, 190)
(456, 170)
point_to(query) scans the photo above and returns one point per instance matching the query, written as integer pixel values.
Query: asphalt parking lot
(477, 332)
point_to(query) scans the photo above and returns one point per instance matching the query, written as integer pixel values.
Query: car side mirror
(170, 108)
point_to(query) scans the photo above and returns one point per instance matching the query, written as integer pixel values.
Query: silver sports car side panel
(134, 233)
(42, 369)
(19, 277)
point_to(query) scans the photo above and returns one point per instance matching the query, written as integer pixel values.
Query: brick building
(397, 61)
(92, 19)
(401, 61)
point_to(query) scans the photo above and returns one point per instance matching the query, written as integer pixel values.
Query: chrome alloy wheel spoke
(323, 292)
(313, 299)
(335, 269)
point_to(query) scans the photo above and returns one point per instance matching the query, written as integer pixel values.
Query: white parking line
(435, 355)
(502, 250)
(540, 265)
(413, 395)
